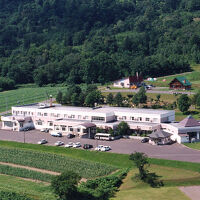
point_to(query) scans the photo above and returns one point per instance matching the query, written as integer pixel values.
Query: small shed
(159, 137)
(180, 83)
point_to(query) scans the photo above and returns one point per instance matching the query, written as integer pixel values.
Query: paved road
(154, 90)
(125, 146)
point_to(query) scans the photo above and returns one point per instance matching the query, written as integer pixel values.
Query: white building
(83, 120)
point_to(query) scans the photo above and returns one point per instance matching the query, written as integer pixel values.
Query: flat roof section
(105, 109)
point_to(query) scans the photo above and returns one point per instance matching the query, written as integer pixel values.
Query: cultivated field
(87, 164)
(26, 95)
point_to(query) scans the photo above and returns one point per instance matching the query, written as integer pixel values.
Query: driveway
(154, 90)
(124, 146)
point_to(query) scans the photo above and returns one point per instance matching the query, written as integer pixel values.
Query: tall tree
(184, 103)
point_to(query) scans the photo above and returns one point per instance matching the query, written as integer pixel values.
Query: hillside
(74, 41)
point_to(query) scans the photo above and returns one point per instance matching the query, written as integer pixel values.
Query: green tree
(184, 103)
(158, 97)
(110, 99)
(141, 95)
(65, 185)
(123, 128)
(135, 100)
(59, 97)
(118, 99)
(141, 161)
(75, 99)
(93, 97)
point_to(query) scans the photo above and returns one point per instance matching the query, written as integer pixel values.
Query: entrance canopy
(159, 134)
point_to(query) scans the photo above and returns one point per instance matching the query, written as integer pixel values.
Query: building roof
(182, 80)
(87, 124)
(135, 79)
(189, 121)
(160, 134)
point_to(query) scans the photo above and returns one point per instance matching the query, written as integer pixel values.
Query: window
(45, 114)
(139, 118)
(96, 118)
(65, 115)
(50, 123)
(71, 129)
(123, 117)
(58, 115)
(63, 128)
(39, 123)
(79, 116)
(147, 119)
(132, 118)
(78, 129)
(39, 114)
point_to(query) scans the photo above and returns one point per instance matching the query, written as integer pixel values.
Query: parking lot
(125, 146)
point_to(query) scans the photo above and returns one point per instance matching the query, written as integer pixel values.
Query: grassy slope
(26, 96)
(31, 189)
(131, 189)
(193, 77)
(193, 145)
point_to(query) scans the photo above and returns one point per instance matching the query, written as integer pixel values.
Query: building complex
(83, 121)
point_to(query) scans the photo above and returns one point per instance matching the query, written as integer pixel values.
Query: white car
(56, 134)
(43, 141)
(59, 143)
(106, 148)
(99, 147)
(70, 144)
(76, 145)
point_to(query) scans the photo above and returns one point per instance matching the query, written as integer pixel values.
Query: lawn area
(195, 145)
(172, 177)
(193, 77)
(34, 190)
(26, 95)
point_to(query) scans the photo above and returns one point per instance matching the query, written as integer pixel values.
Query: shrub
(12, 196)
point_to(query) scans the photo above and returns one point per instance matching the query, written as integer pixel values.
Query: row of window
(137, 119)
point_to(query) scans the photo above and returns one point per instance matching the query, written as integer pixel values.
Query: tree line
(68, 41)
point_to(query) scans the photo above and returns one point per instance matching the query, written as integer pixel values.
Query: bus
(103, 136)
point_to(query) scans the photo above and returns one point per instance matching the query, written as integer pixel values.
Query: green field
(25, 95)
(54, 162)
(37, 191)
(172, 178)
(174, 173)
(195, 145)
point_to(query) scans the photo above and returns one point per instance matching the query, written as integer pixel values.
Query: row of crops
(26, 95)
(25, 173)
(54, 162)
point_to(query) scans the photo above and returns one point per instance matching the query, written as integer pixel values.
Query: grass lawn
(132, 189)
(195, 145)
(26, 95)
(34, 190)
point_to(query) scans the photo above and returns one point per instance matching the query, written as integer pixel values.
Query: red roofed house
(127, 82)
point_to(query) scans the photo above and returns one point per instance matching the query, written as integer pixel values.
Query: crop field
(33, 190)
(53, 162)
(25, 173)
(26, 95)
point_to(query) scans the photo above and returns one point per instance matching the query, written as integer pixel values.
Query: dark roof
(135, 79)
(87, 124)
(159, 134)
(182, 80)
(189, 121)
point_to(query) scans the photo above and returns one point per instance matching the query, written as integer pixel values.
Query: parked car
(59, 143)
(106, 148)
(87, 146)
(26, 128)
(70, 144)
(99, 147)
(76, 145)
(70, 136)
(46, 130)
(56, 134)
(43, 141)
(144, 140)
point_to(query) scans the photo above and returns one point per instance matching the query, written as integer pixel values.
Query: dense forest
(75, 41)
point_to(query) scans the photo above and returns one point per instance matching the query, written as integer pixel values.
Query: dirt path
(30, 168)
(193, 192)
(35, 169)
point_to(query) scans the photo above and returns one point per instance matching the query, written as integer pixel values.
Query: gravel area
(193, 192)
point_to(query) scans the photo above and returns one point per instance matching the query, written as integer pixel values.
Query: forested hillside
(74, 41)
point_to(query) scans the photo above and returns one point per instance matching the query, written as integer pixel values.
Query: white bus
(103, 136)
